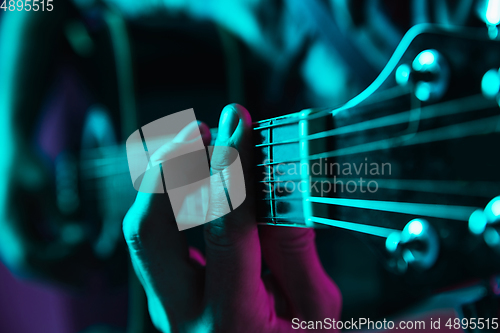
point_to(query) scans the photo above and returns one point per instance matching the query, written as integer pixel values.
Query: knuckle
(219, 234)
(134, 228)
(216, 233)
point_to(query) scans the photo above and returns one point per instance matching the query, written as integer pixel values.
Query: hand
(227, 292)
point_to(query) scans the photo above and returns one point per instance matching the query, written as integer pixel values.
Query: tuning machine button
(487, 222)
(489, 12)
(428, 75)
(490, 84)
(417, 245)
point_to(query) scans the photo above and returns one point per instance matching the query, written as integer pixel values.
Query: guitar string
(452, 131)
(482, 126)
(357, 227)
(473, 188)
(458, 211)
(440, 211)
(294, 118)
(386, 121)
(461, 213)
(352, 226)
(390, 93)
(474, 102)
(386, 94)
(451, 212)
(394, 92)
(378, 122)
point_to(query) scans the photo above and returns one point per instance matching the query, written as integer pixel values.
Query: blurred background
(76, 81)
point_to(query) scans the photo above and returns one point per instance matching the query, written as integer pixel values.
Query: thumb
(232, 241)
(231, 146)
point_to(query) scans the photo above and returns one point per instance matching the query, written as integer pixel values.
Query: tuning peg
(428, 75)
(489, 12)
(492, 210)
(490, 84)
(486, 222)
(417, 245)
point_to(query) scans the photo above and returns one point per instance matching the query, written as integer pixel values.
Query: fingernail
(228, 122)
(190, 132)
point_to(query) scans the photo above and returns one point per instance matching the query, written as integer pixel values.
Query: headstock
(408, 164)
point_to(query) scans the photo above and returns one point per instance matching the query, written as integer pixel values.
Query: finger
(159, 252)
(232, 243)
(233, 142)
(184, 141)
(293, 260)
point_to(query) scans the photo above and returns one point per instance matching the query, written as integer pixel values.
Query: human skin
(226, 291)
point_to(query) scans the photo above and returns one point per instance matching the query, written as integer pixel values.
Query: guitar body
(90, 207)
(94, 283)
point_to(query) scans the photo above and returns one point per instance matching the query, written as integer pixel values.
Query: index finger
(232, 242)
(159, 251)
